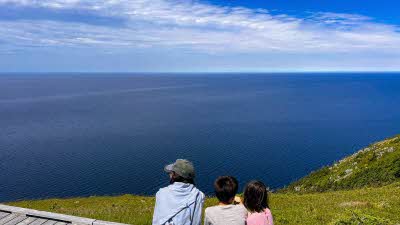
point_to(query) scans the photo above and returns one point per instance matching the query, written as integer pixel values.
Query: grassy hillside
(374, 166)
(361, 189)
(371, 205)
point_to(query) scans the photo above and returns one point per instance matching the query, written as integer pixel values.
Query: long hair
(256, 197)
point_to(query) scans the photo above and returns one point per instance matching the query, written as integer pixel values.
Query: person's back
(180, 203)
(225, 213)
(256, 202)
(260, 218)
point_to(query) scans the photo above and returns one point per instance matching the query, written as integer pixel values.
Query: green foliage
(374, 166)
(362, 219)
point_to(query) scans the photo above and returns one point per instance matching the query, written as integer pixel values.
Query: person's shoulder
(268, 211)
(201, 194)
(211, 208)
(212, 211)
(240, 206)
(258, 215)
(162, 191)
(240, 209)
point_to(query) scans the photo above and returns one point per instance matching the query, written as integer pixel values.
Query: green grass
(362, 189)
(374, 166)
(340, 207)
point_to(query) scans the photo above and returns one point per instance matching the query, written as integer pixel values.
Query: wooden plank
(35, 217)
(38, 221)
(27, 221)
(12, 209)
(16, 220)
(8, 218)
(50, 222)
(41, 214)
(100, 222)
(60, 223)
(4, 214)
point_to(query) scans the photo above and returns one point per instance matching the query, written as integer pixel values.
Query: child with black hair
(256, 202)
(229, 211)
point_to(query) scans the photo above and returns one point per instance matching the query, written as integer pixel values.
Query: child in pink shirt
(256, 202)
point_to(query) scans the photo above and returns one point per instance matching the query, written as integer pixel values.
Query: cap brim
(168, 168)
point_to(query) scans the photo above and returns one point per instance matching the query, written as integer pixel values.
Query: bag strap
(187, 206)
(194, 209)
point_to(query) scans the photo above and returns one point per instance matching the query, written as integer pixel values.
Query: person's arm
(199, 210)
(238, 200)
(271, 220)
(156, 211)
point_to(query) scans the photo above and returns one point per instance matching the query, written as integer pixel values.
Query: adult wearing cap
(180, 203)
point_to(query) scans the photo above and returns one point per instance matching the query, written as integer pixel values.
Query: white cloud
(199, 27)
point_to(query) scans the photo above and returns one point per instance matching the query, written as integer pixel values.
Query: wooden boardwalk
(10, 215)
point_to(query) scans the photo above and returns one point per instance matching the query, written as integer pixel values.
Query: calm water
(79, 135)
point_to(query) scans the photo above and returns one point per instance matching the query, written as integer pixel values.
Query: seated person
(180, 203)
(256, 201)
(227, 212)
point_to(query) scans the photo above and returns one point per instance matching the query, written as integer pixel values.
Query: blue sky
(199, 35)
(385, 11)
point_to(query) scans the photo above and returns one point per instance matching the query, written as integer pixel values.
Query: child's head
(226, 188)
(255, 196)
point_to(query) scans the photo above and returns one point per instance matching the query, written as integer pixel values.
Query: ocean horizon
(83, 134)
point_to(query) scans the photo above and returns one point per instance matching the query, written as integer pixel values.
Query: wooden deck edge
(55, 216)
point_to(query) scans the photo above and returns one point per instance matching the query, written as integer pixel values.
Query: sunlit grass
(288, 208)
(374, 166)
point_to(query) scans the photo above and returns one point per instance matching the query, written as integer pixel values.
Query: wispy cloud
(194, 26)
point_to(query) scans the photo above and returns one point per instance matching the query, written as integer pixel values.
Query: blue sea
(64, 135)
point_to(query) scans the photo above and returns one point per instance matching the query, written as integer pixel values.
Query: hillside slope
(362, 189)
(374, 166)
(372, 206)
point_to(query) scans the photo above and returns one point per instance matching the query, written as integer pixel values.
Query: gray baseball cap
(182, 167)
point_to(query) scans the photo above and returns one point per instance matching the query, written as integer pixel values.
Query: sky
(199, 35)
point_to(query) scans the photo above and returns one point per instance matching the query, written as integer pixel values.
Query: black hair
(226, 188)
(256, 197)
(176, 178)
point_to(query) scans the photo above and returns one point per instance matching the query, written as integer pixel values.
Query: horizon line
(199, 72)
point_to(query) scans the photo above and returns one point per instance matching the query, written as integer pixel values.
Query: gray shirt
(225, 215)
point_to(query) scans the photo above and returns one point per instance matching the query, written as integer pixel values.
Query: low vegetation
(374, 166)
(362, 189)
(370, 205)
